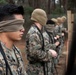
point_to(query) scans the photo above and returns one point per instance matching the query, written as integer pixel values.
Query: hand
(57, 43)
(62, 34)
(57, 36)
(53, 53)
(65, 29)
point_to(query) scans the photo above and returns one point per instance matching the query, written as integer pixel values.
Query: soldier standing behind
(63, 29)
(11, 30)
(39, 54)
(50, 29)
(60, 21)
(60, 26)
(57, 37)
(50, 26)
(63, 19)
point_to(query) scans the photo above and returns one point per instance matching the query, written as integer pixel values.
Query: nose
(22, 30)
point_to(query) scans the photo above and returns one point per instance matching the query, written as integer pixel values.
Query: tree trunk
(10, 1)
(54, 4)
(64, 2)
(60, 3)
(49, 2)
(31, 3)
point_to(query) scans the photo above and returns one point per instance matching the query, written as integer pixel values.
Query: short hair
(7, 11)
(50, 22)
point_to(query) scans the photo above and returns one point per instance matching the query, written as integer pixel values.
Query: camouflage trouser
(34, 69)
(50, 68)
(59, 52)
(54, 63)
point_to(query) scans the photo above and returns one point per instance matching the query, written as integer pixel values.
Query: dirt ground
(61, 67)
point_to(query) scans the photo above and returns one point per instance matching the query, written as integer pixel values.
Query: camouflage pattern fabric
(50, 29)
(49, 45)
(14, 60)
(35, 54)
(63, 29)
(58, 31)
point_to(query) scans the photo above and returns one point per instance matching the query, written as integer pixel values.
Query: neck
(6, 41)
(38, 25)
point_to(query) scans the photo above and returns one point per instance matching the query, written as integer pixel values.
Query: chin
(17, 39)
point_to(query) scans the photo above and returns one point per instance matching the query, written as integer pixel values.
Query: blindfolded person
(11, 30)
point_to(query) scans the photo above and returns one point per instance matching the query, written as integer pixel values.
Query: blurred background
(54, 9)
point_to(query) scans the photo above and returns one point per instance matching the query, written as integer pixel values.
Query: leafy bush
(58, 10)
(28, 10)
(3, 2)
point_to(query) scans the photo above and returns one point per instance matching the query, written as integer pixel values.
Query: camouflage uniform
(14, 60)
(63, 30)
(40, 60)
(52, 34)
(57, 31)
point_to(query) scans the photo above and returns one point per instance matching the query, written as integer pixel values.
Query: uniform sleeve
(60, 34)
(51, 46)
(57, 31)
(35, 49)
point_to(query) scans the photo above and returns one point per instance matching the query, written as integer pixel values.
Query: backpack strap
(6, 62)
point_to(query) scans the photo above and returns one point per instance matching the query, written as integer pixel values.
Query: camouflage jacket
(57, 30)
(36, 54)
(63, 29)
(14, 60)
(50, 29)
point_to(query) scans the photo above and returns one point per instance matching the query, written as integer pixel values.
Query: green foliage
(58, 10)
(71, 4)
(3, 2)
(28, 10)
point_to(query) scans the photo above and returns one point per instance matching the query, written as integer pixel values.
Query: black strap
(6, 62)
(16, 55)
(41, 36)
